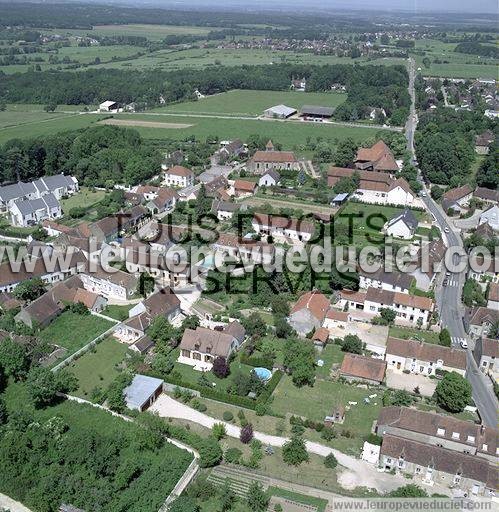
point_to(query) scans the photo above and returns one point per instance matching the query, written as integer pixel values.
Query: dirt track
(144, 124)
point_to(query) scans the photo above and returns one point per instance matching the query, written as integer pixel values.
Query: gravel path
(357, 473)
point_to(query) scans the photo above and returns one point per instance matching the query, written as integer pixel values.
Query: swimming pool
(208, 262)
(263, 373)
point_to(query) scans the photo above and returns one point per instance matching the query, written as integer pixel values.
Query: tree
(352, 343)
(330, 461)
(294, 451)
(388, 315)
(210, 453)
(453, 392)
(280, 305)
(257, 499)
(401, 398)
(115, 399)
(13, 359)
(145, 286)
(66, 381)
(282, 327)
(254, 325)
(218, 431)
(184, 504)
(436, 192)
(345, 152)
(42, 386)
(444, 337)
(299, 359)
(246, 434)
(4, 415)
(409, 491)
(220, 367)
(50, 107)
(30, 289)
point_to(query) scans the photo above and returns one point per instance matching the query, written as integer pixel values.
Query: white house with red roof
(309, 312)
(178, 176)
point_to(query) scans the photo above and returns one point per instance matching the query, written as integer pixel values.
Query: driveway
(397, 380)
(357, 473)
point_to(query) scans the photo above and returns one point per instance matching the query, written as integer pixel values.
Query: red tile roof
(363, 367)
(316, 302)
(274, 156)
(179, 170)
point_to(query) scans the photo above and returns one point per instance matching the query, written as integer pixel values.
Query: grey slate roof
(40, 186)
(273, 174)
(140, 390)
(29, 206)
(317, 111)
(16, 190)
(407, 217)
(282, 110)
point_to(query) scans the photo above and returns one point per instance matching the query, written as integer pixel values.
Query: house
(279, 112)
(29, 212)
(217, 187)
(487, 195)
(393, 281)
(201, 346)
(480, 320)
(142, 392)
(402, 225)
(375, 112)
(298, 84)
(339, 199)
(178, 176)
(64, 265)
(439, 430)
(457, 199)
(430, 464)
(429, 260)
(309, 312)
(263, 161)
(58, 185)
(108, 106)
(483, 142)
(357, 368)
(224, 210)
(244, 188)
(229, 150)
(336, 319)
(490, 217)
(282, 227)
(486, 354)
(377, 158)
(44, 309)
(244, 250)
(493, 297)
(269, 178)
(106, 229)
(147, 192)
(140, 317)
(165, 201)
(410, 309)
(316, 113)
(115, 284)
(423, 358)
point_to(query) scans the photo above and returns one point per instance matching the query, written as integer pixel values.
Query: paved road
(449, 297)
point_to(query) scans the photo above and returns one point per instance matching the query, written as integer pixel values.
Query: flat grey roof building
(316, 111)
(142, 392)
(281, 111)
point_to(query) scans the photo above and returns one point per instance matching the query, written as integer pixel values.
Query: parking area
(397, 380)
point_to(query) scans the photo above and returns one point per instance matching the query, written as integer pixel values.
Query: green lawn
(73, 331)
(117, 312)
(331, 354)
(85, 198)
(251, 103)
(97, 368)
(407, 333)
(319, 401)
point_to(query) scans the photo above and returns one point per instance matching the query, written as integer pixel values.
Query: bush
(246, 434)
(261, 409)
(218, 430)
(328, 434)
(210, 453)
(233, 455)
(374, 439)
(227, 416)
(330, 461)
(294, 451)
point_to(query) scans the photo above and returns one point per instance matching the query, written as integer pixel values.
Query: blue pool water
(208, 262)
(263, 373)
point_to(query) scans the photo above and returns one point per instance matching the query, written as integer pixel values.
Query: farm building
(108, 106)
(315, 113)
(279, 112)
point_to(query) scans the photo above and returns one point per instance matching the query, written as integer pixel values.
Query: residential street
(449, 298)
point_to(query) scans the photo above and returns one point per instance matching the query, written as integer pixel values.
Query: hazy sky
(415, 6)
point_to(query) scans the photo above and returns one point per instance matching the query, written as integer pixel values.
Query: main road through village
(449, 297)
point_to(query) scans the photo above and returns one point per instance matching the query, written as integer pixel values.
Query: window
(441, 432)
(455, 435)
(485, 447)
(470, 439)
(418, 470)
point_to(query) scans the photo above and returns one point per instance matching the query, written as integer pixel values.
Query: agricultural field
(253, 103)
(456, 65)
(289, 134)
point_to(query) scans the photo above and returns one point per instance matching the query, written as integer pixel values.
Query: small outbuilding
(339, 199)
(142, 392)
(279, 112)
(108, 106)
